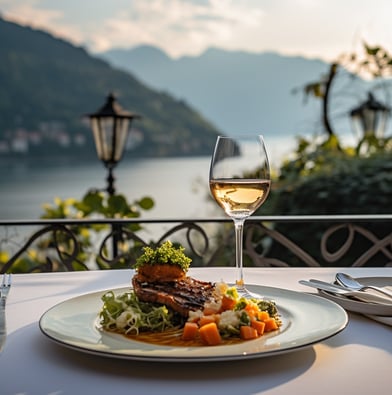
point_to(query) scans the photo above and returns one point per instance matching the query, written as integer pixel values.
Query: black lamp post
(370, 118)
(110, 126)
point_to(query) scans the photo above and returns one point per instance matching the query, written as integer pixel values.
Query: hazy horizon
(320, 30)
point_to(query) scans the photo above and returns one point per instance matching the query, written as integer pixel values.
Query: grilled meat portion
(181, 295)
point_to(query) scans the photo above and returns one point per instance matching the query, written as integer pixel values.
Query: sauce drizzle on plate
(173, 338)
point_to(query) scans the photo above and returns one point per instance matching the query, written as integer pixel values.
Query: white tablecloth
(358, 360)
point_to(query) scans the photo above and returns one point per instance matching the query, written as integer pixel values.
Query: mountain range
(237, 91)
(48, 85)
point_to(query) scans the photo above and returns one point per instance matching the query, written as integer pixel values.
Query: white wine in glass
(240, 182)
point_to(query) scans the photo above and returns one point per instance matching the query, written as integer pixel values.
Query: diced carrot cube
(206, 319)
(190, 331)
(251, 309)
(227, 303)
(248, 333)
(263, 315)
(270, 325)
(259, 326)
(209, 334)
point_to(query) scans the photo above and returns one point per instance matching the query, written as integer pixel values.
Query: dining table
(357, 359)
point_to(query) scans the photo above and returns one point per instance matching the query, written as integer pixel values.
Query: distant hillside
(239, 91)
(47, 82)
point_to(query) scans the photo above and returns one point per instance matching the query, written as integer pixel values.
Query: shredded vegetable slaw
(126, 314)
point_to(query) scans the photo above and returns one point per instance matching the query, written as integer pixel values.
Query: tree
(374, 63)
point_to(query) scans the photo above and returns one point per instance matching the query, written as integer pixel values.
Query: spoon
(350, 283)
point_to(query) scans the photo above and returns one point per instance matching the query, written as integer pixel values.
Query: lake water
(179, 186)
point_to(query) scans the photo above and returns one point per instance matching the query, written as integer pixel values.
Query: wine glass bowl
(239, 198)
(240, 181)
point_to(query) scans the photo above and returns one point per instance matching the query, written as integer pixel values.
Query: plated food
(306, 319)
(166, 306)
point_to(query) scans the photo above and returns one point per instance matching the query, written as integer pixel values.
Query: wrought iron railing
(67, 244)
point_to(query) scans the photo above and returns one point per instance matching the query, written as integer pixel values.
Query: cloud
(29, 13)
(323, 28)
(180, 26)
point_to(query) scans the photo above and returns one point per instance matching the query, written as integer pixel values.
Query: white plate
(307, 319)
(366, 308)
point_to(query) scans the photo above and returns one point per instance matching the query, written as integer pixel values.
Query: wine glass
(240, 182)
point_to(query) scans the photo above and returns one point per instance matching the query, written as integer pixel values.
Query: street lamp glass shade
(110, 135)
(370, 122)
(370, 118)
(110, 126)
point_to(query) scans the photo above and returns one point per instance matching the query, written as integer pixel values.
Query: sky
(322, 29)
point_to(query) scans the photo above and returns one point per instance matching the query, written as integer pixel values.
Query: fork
(4, 290)
(5, 286)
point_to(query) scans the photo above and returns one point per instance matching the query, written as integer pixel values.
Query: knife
(338, 290)
(328, 287)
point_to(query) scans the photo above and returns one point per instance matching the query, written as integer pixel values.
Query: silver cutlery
(328, 287)
(4, 291)
(339, 290)
(352, 284)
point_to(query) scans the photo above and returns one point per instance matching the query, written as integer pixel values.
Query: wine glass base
(245, 293)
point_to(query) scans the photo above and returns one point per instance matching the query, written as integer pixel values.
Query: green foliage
(375, 61)
(94, 205)
(311, 157)
(346, 185)
(326, 180)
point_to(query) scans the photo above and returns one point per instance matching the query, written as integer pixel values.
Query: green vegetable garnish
(125, 313)
(232, 293)
(269, 306)
(164, 254)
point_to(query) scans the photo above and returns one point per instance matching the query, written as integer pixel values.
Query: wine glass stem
(239, 231)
